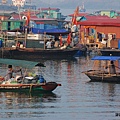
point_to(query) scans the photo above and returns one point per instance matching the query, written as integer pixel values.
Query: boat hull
(108, 52)
(101, 77)
(34, 53)
(45, 87)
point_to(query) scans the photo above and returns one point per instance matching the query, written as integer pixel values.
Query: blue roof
(50, 31)
(111, 58)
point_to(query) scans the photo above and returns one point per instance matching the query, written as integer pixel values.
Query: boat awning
(21, 63)
(111, 58)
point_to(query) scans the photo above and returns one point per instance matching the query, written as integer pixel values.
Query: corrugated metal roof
(41, 19)
(31, 12)
(79, 15)
(106, 21)
(96, 17)
(16, 17)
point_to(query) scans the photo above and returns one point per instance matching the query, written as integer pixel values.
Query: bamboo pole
(25, 36)
(44, 39)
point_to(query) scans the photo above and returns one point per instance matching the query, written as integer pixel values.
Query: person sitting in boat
(57, 42)
(64, 46)
(112, 69)
(52, 43)
(48, 44)
(18, 44)
(10, 72)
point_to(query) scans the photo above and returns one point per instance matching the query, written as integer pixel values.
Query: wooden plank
(22, 85)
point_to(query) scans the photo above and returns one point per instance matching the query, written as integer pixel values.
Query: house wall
(105, 13)
(50, 14)
(106, 30)
(40, 26)
(2, 17)
(110, 13)
(10, 25)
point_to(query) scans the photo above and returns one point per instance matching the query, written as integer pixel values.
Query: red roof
(100, 22)
(79, 15)
(31, 13)
(16, 17)
(41, 19)
(90, 16)
(96, 17)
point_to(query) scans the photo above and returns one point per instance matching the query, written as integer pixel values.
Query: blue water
(76, 99)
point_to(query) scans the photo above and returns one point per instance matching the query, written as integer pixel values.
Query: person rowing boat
(10, 72)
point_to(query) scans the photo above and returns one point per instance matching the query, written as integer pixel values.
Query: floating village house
(44, 18)
(98, 31)
(109, 13)
(39, 21)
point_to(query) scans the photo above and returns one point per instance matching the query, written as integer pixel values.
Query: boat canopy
(111, 58)
(21, 63)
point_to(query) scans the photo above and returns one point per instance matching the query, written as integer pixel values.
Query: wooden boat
(25, 83)
(102, 74)
(113, 52)
(37, 53)
(16, 87)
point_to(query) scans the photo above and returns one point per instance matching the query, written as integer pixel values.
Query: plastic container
(41, 79)
(1, 42)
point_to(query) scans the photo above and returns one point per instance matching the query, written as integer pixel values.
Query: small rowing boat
(106, 72)
(26, 83)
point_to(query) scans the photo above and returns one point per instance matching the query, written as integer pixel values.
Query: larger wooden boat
(26, 83)
(35, 46)
(102, 74)
(37, 53)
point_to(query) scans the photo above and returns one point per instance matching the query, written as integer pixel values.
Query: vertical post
(79, 34)
(25, 36)
(96, 39)
(44, 39)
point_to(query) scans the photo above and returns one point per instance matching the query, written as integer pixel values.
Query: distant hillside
(89, 4)
(69, 4)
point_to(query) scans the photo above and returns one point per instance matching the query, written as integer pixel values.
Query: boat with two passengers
(107, 70)
(26, 82)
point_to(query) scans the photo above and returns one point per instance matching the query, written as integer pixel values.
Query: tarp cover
(21, 63)
(111, 58)
(49, 31)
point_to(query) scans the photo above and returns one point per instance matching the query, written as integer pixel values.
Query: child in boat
(10, 72)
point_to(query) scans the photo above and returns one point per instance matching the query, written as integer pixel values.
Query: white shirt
(48, 44)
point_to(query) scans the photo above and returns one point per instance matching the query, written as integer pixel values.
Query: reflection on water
(76, 99)
(17, 105)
